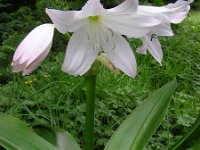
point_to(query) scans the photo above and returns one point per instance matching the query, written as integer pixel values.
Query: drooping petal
(163, 29)
(155, 50)
(66, 21)
(177, 17)
(127, 7)
(143, 48)
(151, 44)
(92, 8)
(130, 25)
(79, 55)
(121, 55)
(176, 11)
(33, 49)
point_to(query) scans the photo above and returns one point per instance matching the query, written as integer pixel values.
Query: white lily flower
(171, 13)
(96, 30)
(33, 49)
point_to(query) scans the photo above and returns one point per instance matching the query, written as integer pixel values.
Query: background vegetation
(49, 96)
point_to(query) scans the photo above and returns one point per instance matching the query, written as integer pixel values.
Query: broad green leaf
(58, 137)
(196, 145)
(191, 138)
(16, 135)
(135, 131)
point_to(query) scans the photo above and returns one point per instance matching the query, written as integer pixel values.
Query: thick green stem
(90, 82)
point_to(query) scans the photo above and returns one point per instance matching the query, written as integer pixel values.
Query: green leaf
(58, 137)
(196, 145)
(191, 138)
(135, 131)
(16, 135)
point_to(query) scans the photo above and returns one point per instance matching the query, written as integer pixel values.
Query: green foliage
(61, 139)
(15, 134)
(51, 97)
(191, 138)
(139, 126)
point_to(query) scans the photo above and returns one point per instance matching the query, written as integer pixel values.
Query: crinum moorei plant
(172, 13)
(95, 30)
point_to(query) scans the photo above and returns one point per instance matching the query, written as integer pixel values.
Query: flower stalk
(90, 82)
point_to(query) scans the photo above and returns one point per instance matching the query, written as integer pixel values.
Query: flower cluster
(97, 30)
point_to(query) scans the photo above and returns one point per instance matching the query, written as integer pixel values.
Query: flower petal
(121, 55)
(34, 47)
(163, 29)
(176, 11)
(155, 50)
(66, 21)
(92, 8)
(178, 17)
(153, 46)
(142, 49)
(130, 25)
(79, 55)
(128, 6)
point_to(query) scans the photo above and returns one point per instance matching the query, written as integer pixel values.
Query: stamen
(88, 36)
(111, 31)
(114, 45)
(153, 36)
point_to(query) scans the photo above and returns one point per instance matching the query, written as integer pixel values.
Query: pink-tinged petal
(34, 48)
(79, 55)
(135, 26)
(152, 44)
(179, 6)
(92, 8)
(34, 64)
(127, 7)
(175, 11)
(163, 29)
(143, 49)
(178, 17)
(121, 55)
(152, 9)
(155, 50)
(66, 21)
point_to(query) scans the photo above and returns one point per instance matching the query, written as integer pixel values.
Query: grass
(49, 96)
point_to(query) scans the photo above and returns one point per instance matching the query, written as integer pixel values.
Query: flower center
(94, 19)
(98, 35)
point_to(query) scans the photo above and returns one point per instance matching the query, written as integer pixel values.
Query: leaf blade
(145, 118)
(16, 135)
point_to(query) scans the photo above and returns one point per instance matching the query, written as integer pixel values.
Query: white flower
(171, 13)
(33, 49)
(96, 30)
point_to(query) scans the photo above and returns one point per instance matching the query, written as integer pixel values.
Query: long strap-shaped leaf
(58, 137)
(135, 131)
(16, 135)
(191, 138)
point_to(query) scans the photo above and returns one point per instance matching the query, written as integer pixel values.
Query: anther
(153, 36)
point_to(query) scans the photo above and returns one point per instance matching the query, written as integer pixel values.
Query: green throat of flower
(94, 19)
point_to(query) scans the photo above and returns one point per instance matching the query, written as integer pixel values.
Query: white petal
(121, 55)
(178, 17)
(34, 64)
(128, 6)
(176, 11)
(143, 49)
(66, 21)
(152, 9)
(154, 49)
(163, 29)
(36, 45)
(92, 8)
(79, 55)
(130, 25)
